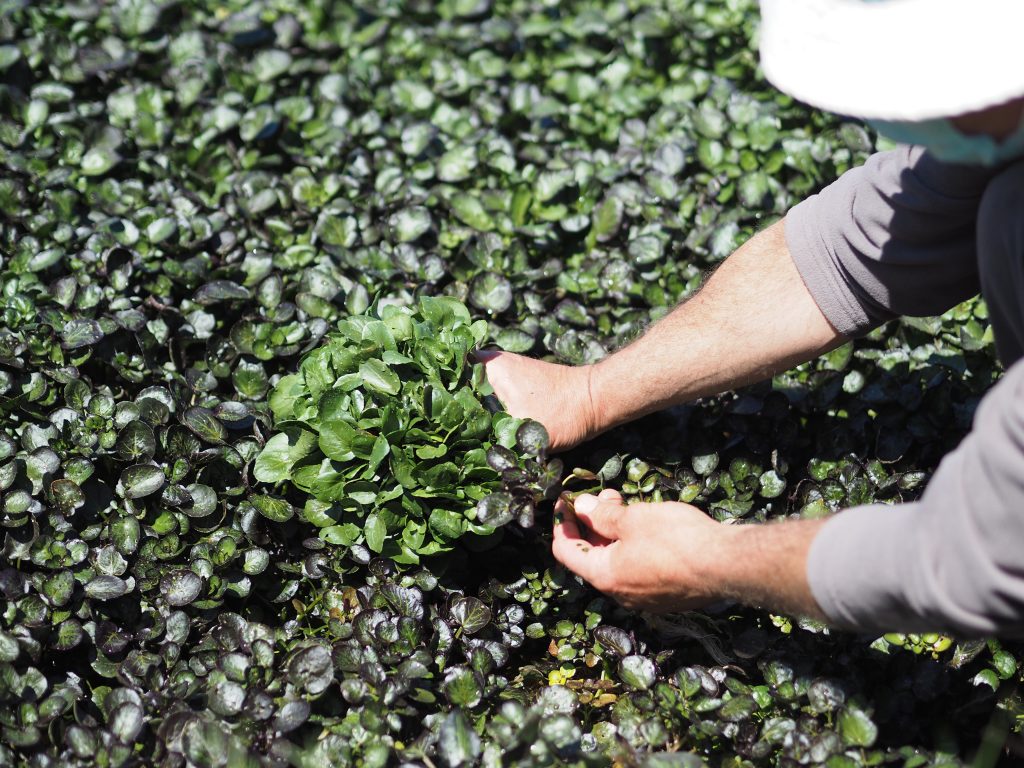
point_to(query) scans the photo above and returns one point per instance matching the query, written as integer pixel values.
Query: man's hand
(655, 557)
(672, 557)
(755, 316)
(558, 396)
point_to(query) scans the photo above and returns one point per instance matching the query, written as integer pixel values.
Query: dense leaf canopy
(200, 201)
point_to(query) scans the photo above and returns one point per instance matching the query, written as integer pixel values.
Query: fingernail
(586, 503)
(483, 355)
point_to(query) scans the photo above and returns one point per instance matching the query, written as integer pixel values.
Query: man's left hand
(670, 556)
(654, 557)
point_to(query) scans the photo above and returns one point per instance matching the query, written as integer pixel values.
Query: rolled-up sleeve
(892, 237)
(951, 561)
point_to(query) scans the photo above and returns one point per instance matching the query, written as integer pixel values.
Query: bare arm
(894, 236)
(754, 317)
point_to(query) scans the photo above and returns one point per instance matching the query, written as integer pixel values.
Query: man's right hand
(755, 316)
(558, 396)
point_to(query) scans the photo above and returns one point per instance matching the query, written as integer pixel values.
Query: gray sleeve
(892, 237)
(953, 560)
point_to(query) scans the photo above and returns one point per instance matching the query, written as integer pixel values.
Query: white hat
(895, 59)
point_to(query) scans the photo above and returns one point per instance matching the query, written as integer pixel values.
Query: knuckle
(616, 525)
(609, 519)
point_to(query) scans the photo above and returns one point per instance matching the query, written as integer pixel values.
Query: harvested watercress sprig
(385, 428)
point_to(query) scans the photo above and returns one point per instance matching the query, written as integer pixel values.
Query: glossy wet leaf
(225, 697)
(532, 438)
(205, 742)
(106, 588)
(825, 695)
(608, 218)
(462, 688)
(141, 480)
(98, 160)
(59, 587)
(772, 485)
(737, 709)
(378, 377)
(126, 722)
(406, 601)
(220, 290)
(491, 293)
(312, 669)
(470, 211)
(181, 587)
(470, 614)
(637, 672)
(292, 715)
(614, 639)
(966, 652)
(270, 64)
(375, 530)
(457, 164)
(500, 458)
(136, 441)
(40, 466)
(856, 728)
(279, 455)
(273, 507)
(457, 743)
(80, 333)
(205, 425)
(67, 495)
(495, 509)
(410, 224)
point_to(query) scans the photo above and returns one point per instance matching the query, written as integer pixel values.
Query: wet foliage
(207, 210)
(385, 431)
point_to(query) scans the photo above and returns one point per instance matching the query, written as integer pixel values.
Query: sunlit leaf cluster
(385, 430)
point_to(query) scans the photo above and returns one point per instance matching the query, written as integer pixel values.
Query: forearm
(765, 565)
(754, 317)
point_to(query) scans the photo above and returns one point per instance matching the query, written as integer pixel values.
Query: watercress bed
(222, 221)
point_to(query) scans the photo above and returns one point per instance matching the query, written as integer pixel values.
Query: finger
(608, 494)
(565, 519)
(575, 552)
(578, 531)
(602, 516)
(484, 355)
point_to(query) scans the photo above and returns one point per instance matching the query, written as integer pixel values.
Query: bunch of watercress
(386, 429)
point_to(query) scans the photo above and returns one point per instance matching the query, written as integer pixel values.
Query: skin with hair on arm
(753, 317)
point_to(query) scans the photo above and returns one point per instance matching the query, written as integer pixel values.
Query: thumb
(602, 514)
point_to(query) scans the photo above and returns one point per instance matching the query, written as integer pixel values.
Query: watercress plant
(385, 427)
